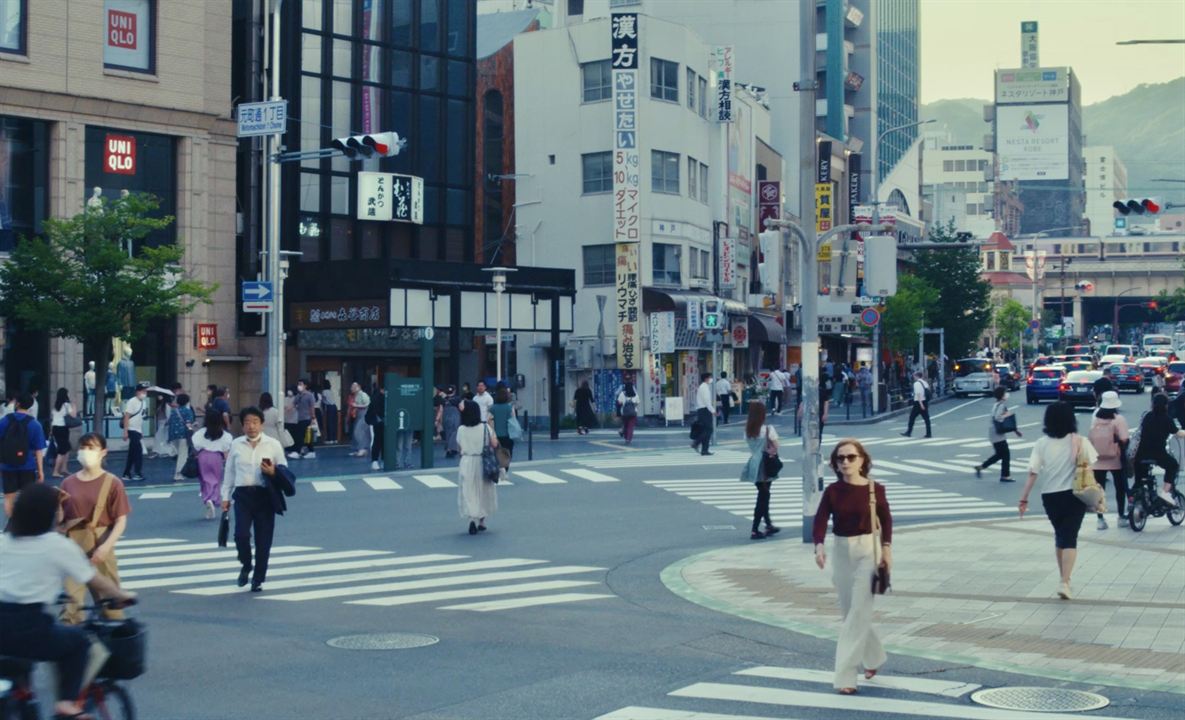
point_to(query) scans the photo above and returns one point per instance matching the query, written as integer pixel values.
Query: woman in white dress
(477, 498)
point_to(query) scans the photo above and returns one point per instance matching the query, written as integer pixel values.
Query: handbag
(224, 528)
(489, 461)
(73, 421)
(880, 575)
(190, 468)
(771, 464)
(1086, 488)
(1006, 425)
(514, 431)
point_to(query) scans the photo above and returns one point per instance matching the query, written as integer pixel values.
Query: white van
(1155, 341)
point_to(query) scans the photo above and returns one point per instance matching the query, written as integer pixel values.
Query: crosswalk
(953, 443)
(785, 505)
(780, 693)
(379, 578)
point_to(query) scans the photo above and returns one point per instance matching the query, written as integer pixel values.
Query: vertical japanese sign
(854, 185)
(374, 196)
(662, 332)
(769, 202)
(629, 350)
(1029, 54)
(728, 263)
(722, 69)
(823, 205)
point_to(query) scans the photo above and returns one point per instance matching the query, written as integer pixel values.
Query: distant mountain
(1144, 125)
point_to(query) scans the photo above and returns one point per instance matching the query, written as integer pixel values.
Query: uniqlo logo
(119, 154)
(121, 29)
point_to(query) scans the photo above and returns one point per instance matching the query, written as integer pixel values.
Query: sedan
(1072, 365)
(1173, 375)
(1043, 384)
(1009, 379)
(1126, 376)
(1078, 387)
(1151, 366)
(1106, 360)
(1165, 352)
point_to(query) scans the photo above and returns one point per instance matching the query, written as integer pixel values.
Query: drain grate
(1040, 699)
(382, 641)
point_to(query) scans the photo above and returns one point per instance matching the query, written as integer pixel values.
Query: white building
(1106, 182)
(565, 205)
(953, 181)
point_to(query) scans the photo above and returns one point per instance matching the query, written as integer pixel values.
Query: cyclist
(34, 560)
(1155, 430)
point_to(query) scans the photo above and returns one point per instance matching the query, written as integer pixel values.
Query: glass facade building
(898, 69)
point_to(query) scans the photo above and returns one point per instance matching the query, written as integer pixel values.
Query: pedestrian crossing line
(943, 688)
(173, 548)
(328, 486)
(382, 483)
(895, 501)
(637, 712)
(534, 601)
(208, 555)
(904, 467)
(300, 564)
(413, 598)
(125, 543)
(938, 442)
(539, 477)
(435, 481)
(977, 444)
(741, 502)
(947, 466)
(590, 475)
(155, 495)
(429, 583)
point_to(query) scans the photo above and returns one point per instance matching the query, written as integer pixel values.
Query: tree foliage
(78, 281)
(1011, 319)
(963, 308)
(1172, 305)
(905, 311)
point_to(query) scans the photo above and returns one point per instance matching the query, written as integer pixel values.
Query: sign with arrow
(258, 297)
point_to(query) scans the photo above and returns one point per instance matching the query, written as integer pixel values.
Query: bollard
(530, 435)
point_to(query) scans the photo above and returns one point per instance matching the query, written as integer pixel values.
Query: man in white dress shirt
(724, 395)
(484, 400)
(921, 406)
(250, 466)
(705, 403)
(777, 385)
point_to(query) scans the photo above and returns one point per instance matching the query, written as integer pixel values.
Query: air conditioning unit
(699, 283)
(572, 358)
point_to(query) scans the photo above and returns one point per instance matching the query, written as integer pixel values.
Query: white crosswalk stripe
(378, 578)
(539, 477)
(903, 466)
(382, 483)
(328, 486)
(155, 495)
(435, 481)
(590, 475)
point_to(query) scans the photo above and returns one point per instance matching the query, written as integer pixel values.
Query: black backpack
(929, 393)
(14, 448)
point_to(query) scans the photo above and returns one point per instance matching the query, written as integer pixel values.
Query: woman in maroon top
(847, 505)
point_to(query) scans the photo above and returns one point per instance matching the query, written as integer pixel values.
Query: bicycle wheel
(1177, 514)
(109, 701)
(1137, 515)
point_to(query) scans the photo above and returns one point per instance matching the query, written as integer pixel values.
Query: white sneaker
(1102, 523)
(294, 456)
(209, 513)
(311, 455)
(374, 465)
(1064, 591)
(1167, 497)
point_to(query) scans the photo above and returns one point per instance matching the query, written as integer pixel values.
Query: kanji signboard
(627, 178)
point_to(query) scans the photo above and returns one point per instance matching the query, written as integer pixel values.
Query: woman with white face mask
(999, 439)
(95, 515)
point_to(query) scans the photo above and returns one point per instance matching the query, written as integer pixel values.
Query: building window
(991, 261)
(575, 7)
(664, 80)
(703, 183)
(664, 172)
(1005, 261)
(599, 265)
(703, 97)
(701, 262)
(596, 81)
(597, 172)
(691, 172)
(12, 26)
(129, 35)
(691, 89)
(665, 260)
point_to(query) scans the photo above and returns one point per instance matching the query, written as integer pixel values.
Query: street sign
(824, 253)
(258, 297)
(870, 317)
(1034, 324)
(263, 118)
(695, 313)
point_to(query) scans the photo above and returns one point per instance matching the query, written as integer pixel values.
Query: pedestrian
(1100, 386)
(864, 381)
(477, 498)
(627, 408)
(1157, 382)
(849, 507)
(1156, 427)
(359, 406)
(776, 388)
(921, 404)
(500, 414)
(329, 406)
(451, 421)
(35, 560)
(466, 392)
(218, 400)
(825, 393)
(839, 387)
(21, 464)
(251, 464)
(724, 396)
(180, 426)
(763, 442)
(161, 447)
(133, 432)
(1054, 461)
(95, 516)
(705, 401)
(1109, 434)
(62, 409)
(999, 440)
(290, 421)
(375, 417)
(484, 400)
(305, 405)
(211, 442)
(585, 416)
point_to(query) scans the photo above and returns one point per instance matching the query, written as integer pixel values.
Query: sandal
(846, 691)
(869, 674)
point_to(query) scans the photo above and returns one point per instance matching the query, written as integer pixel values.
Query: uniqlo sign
(121, 29)
(119, 154)
(207, 336)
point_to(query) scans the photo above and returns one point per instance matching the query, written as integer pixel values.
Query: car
(1042, 383)
(1082, 358)
(974, 375)
(1040, 361)
(1174, 373)
(1127, 351)
(1009, 378)
(1165, 352)
(1151, 366)
(1126, 376)
(1152, 341)
(1072, 365)
(1079, 350)
(1077, 388)
(1106, 360)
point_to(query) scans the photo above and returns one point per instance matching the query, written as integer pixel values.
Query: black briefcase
(223, 529)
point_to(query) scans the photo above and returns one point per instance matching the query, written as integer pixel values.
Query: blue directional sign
(258, 296)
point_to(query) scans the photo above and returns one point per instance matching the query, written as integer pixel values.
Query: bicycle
(1143, 502)
(104, 697)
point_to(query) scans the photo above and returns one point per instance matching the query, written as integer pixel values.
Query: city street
(621, 583)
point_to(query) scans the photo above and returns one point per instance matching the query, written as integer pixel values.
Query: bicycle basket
(127, 640)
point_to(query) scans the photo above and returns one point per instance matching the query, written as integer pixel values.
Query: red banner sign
(207, 336)
(121, 29)
(119, 154)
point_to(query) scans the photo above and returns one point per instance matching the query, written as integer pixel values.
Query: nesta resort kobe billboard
(1033, 142)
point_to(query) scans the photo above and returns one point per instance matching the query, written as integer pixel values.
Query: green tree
(78, 281)
(1012, 317)
(1172, 305)
(963, 308)
(905, 312)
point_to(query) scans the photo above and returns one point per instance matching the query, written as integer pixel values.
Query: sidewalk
(983, 593)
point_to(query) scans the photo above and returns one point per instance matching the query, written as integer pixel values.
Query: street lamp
(500, 274)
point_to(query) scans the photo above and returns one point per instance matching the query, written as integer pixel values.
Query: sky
(965, 41)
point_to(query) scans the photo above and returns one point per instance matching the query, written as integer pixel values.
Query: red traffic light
(1151, 305)
(1151, 206)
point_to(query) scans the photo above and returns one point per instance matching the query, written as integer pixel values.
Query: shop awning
(655, 300)
(766, 328)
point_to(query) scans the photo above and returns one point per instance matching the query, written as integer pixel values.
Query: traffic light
(880, 265)
(712, 315)
(1151, 305)
(1084, 286)
(384, 144)
(769, 266)
(1138, 206)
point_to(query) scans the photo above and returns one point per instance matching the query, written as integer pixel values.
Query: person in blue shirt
(31, 470)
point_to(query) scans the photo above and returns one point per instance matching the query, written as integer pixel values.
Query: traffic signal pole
(272, 174)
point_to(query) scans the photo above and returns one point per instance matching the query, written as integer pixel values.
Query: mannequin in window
(127, 374)
(88, 388)
(95, 202)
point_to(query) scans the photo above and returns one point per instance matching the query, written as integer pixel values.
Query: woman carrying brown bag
(861, 545)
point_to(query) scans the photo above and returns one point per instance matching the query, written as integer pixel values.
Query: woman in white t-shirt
(1053, 462)
(34, 562)
(62, 408)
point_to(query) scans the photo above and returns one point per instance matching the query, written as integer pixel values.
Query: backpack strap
(104, 492)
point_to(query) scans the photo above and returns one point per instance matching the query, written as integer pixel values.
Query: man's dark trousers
(704, 417)
(913, 415)
(134, 466)
(725, 406)
(253, 507)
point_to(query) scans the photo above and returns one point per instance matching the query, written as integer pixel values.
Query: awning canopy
(766, 328)
(655, 300)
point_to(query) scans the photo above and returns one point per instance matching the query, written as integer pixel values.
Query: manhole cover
(1040, 699)
(383, 641)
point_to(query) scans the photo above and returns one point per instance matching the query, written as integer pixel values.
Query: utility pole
(271, 225)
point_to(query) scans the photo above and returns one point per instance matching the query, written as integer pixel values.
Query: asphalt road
(557, 611)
